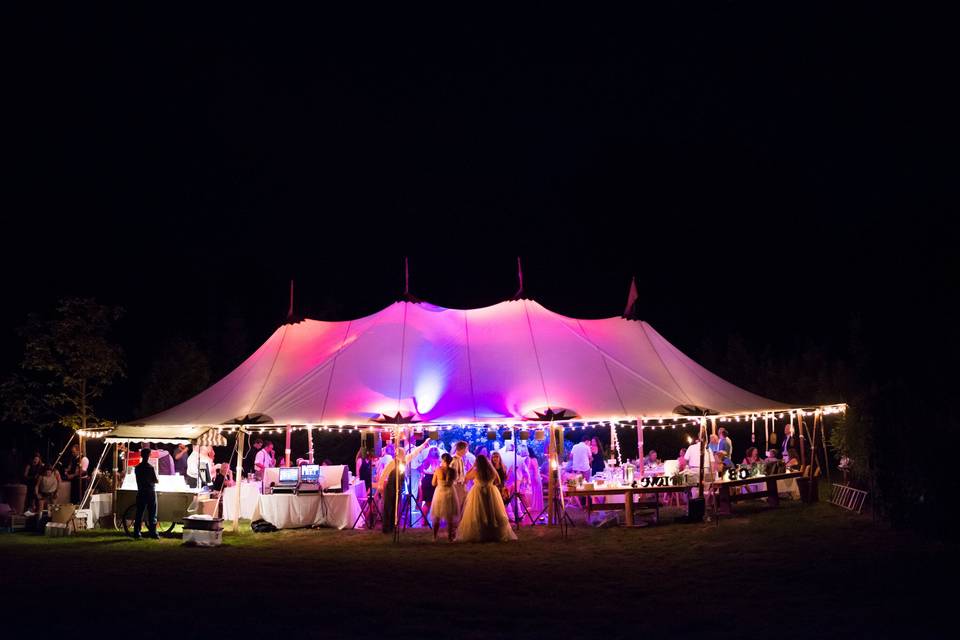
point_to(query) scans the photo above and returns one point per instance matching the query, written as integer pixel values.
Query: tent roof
(498, 363)
(166, 434)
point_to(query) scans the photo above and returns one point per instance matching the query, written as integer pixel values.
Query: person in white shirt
(202, 455)
(580, 458)
(264, 460)
(692, 456)
(383, 462)
(459, 466)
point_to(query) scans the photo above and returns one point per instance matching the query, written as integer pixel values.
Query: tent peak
(631, 310)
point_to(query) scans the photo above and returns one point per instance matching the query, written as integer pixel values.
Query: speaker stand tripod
(370, 512)
(520, 509)
(558, 511)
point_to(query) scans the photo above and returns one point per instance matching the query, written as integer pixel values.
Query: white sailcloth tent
(432, 365)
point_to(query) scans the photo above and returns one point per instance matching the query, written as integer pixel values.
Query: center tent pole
(703, 437)
(640, 446)
(238, 479)
(396, 483)
(516, 477)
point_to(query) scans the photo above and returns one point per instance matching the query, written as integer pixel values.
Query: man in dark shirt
(180, 459)
(146, 496)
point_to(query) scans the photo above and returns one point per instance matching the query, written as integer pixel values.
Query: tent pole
(310, 443)
(286, 448)
(826, 453)
(554, 472)
(766, 436)
(238, 480)
(65, 447)
(801, 429)
(639, 448)
(116, 481)
(396, 483)
(703, 437)
(93, 479)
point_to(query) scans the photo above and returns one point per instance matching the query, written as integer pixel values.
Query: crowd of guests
(438, 482)
(463, 491)
(43, 479)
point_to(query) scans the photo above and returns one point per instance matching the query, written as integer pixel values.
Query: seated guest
(771, 456)
(598, 462)
(224, 477)
(651, 460)
(48, 482)
(792, 462)
(752, 458)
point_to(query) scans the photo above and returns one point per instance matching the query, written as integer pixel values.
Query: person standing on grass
(580, 456)
(444, 504)
(180, 457)
(459, 468)
(146, 496)
(46, 488)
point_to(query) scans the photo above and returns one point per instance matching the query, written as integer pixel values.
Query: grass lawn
(793, 572)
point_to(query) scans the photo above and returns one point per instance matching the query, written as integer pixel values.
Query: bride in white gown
(484, 517)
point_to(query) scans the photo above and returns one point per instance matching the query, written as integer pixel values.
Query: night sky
(761, 171)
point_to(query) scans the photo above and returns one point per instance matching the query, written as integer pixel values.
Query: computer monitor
(310, 473)
(289, 475)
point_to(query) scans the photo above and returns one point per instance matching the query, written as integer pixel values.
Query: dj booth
(327, 501)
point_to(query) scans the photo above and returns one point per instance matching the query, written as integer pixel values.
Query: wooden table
(628, 493)
(725, 499)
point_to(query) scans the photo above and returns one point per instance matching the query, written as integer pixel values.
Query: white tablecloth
(101, 504)
(249, 496)
(789, 487)
(288, 511)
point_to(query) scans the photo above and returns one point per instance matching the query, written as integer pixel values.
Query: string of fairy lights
(658, 422)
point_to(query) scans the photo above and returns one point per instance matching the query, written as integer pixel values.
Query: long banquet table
(289, 511)
(627, 493)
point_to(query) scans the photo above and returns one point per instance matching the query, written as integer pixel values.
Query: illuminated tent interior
(504, 363)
